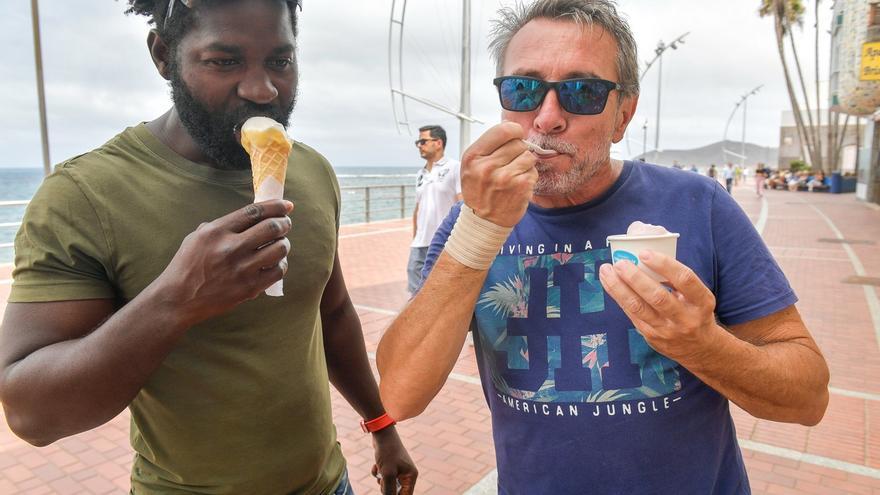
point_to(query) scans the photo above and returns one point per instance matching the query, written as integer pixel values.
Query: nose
(550, 118)
(257, 86)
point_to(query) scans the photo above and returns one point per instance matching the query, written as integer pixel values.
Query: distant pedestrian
(712, 172)
(761, 173)
(438, 187)
(694, 168)
(728, 175)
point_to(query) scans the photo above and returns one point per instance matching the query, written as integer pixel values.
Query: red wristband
(380, 423)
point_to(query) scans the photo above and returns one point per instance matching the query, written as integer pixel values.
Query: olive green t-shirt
(242, 404)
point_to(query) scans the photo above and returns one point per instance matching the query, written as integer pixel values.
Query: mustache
(553, 143)
(248, 110)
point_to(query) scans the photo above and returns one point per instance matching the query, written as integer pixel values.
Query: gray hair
(601, 13)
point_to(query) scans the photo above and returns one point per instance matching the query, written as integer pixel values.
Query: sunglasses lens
(519, 94)
(583, 96)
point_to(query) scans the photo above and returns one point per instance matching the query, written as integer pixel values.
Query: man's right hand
(228, 261)
(498, 175)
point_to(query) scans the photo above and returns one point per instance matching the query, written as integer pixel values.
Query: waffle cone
(269, 161)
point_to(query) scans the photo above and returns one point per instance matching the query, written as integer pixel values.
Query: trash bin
(836, 183)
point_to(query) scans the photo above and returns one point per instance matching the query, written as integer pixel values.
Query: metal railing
(373, 203)
(366, 203)
(10, 225)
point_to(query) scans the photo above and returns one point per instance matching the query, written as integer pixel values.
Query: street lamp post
(742, 143)
(465, 106)
(658, 57)
(644, 139)
(743, 100)
(659, 51)
(41, 92)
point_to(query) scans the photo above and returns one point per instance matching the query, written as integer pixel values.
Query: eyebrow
(222, 47)
(287, 47)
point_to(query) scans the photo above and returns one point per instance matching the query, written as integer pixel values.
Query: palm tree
(787, 14)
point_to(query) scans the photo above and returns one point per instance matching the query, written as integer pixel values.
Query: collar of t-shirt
(439, 163)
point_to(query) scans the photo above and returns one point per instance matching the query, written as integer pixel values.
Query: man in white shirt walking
(438, 187)
(728, 174)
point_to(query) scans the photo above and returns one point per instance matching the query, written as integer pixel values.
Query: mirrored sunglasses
(585, 96)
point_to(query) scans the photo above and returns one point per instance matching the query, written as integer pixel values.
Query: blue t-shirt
(580, 403)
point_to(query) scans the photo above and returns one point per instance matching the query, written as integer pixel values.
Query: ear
(626, 110)
(160, 53)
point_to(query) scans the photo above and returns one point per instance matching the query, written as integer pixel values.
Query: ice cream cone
(269, 148)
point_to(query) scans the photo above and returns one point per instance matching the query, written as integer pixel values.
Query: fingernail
(288, 205)
(605, 269)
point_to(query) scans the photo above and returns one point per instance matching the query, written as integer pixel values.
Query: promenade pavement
(823, 242)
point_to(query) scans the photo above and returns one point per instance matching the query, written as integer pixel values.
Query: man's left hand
(394, 470)
(678, 323)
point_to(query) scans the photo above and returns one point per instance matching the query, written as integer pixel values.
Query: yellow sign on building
(870, 70)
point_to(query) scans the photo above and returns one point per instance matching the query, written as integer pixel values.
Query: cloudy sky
(99, 78)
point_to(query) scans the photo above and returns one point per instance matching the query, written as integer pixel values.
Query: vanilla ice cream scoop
(640, 228)
(261, 131)
(269, 147)
(639, 237)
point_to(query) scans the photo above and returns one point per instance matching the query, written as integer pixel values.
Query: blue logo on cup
(621, 255)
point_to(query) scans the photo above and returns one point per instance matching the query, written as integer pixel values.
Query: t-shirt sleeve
(61, 250)
(750, 284)
(334, 181)
(457, 177)
(439, 240)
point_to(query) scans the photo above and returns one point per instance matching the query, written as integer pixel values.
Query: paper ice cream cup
(628, 247)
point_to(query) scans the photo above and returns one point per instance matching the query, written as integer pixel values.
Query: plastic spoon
(534, 148)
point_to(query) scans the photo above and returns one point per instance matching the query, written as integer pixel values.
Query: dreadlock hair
(182, 17)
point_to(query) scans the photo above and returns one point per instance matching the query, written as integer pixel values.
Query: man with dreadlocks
(139, 273)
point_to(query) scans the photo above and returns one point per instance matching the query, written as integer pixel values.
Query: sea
(391, 195)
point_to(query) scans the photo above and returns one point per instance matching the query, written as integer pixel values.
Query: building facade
(791, 149)
(855, 83)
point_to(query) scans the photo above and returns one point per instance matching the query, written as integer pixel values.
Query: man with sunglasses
(139, 279)
(438, 187)
(599, 379)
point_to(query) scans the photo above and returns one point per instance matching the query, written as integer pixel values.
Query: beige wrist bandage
(475, 242)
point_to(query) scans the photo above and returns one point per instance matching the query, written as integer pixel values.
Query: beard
(585, 166)
(213, 131)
